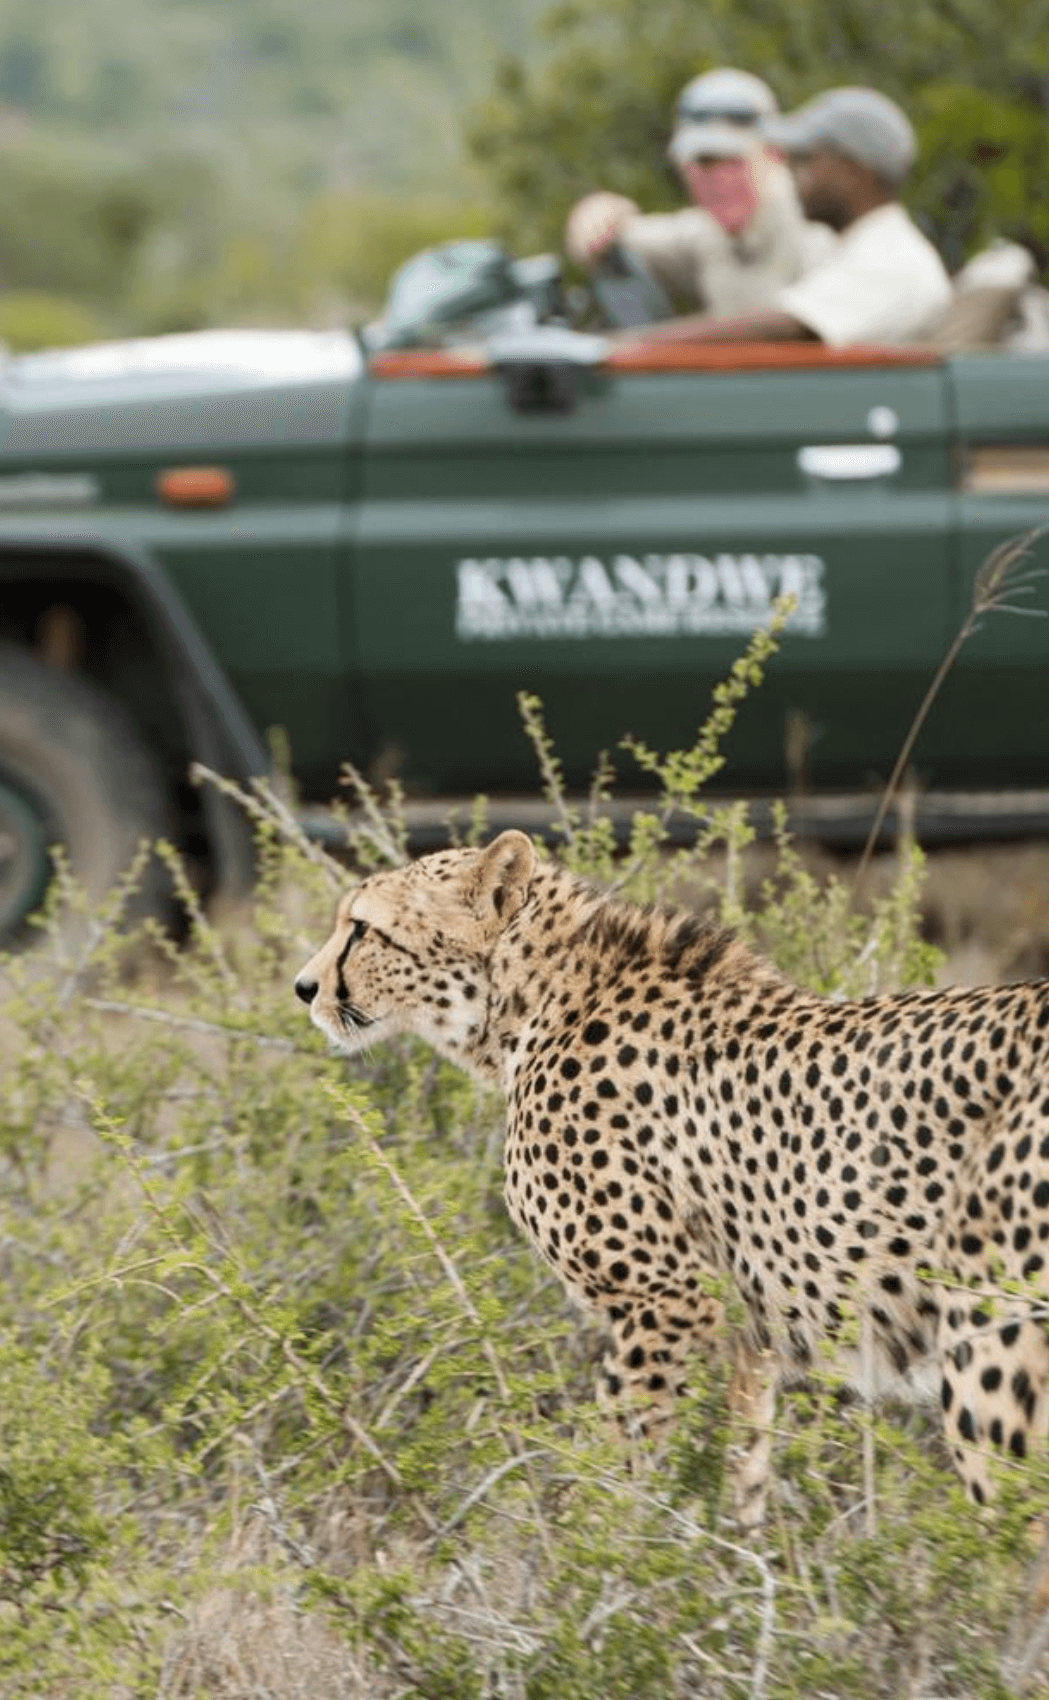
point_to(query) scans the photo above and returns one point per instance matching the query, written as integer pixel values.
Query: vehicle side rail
(666, 357)
(840, 821)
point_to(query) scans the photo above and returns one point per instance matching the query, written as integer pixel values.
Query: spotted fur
(677, 1108)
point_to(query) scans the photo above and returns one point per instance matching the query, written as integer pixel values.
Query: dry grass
(245, 1644)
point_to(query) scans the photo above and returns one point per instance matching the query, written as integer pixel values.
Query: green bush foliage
(70, 224)
(289, 1409)
(595, 112)
(355, 243)
(30, 321)
(88, 250)
(292, 94)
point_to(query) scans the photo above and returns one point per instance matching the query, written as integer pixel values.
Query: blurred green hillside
(168, 163)
(308, 95)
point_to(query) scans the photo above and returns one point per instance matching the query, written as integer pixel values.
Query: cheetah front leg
(645, 1373)
(645, 1365)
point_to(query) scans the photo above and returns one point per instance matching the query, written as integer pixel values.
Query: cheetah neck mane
(572, 943)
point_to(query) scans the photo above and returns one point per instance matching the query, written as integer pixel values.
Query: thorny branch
(995, 587)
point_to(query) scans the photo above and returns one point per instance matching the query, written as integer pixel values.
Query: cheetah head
(411, 948)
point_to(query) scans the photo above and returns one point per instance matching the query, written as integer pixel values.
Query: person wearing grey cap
(850, 150)
(744, 237)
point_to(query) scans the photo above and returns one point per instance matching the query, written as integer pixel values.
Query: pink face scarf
(724, 188)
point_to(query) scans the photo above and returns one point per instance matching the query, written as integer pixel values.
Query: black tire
(72, 772)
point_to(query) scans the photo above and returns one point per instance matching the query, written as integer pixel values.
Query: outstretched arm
(765, 325)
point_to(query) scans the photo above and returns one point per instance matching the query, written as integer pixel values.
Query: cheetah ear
(502, 878)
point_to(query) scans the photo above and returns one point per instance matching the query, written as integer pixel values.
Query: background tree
(595, 111)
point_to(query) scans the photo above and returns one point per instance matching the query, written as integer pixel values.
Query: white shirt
(691, 255)
(884, 282)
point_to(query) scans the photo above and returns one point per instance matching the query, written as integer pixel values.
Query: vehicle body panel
(264, 578)
(406, 549)
(615, 560)
(996, 702)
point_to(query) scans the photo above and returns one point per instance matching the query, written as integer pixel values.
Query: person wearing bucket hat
(850, 150)
(744, 237)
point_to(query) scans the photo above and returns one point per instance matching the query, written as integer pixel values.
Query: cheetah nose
(306, 990)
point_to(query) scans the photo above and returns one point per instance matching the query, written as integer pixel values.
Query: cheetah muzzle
(677, 1109)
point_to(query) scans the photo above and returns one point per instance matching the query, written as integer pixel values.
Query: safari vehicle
(374, 543)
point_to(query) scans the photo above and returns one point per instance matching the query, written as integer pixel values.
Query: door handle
(834, 463)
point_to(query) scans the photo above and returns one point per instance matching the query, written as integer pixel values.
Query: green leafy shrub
(29, 321)
(50, 1530)
(289, 1408)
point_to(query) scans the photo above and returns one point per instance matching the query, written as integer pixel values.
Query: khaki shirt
(884, 283)
(693, 257)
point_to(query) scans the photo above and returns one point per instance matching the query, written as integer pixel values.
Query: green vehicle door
(993, 717)
(615, 557)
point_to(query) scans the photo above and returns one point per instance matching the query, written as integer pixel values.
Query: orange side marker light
(195, 486)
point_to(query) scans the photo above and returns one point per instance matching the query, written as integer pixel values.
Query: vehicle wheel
(72, 772)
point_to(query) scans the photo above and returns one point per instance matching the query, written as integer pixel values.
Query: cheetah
(677, 1109)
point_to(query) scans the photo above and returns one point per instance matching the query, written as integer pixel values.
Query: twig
(377, 832)
(267, 808)
(403, 1388)
(602, 778)
(158, 1159)
(530, 709)
(456, 1283)
(195, 1024)
(489, 1628)
(199, 925)
(266, 1507)
(476, 1494)
(991, 586)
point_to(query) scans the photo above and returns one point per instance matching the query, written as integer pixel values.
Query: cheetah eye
(357, 932)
